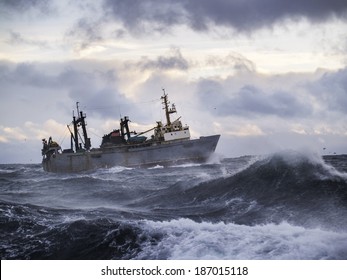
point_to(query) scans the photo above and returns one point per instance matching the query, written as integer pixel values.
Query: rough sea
(287, 205)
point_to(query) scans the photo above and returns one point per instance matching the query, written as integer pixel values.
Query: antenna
(78, 111)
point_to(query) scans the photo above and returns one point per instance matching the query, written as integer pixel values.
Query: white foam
(185, 165)
(117, 169)
(186, 239)
(235, 171)
(215, 158)
(6, 171)
(294, 158)
(156, 167)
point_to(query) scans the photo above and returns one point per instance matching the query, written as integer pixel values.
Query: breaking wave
(287, 205)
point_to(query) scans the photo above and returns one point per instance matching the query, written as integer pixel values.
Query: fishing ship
(170, 144)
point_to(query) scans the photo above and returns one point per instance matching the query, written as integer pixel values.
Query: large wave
(52, 234)
(284, 206)
(287, 187)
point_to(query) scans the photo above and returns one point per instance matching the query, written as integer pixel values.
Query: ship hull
(148, 154)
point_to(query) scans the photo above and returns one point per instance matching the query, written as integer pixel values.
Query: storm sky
(268, 75)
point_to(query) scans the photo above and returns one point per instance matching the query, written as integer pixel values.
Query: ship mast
(80, 121)
(168, 110)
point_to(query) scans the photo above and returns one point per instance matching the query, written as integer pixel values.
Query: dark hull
(150, 154)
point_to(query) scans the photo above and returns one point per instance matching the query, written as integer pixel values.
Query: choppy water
(283, 206)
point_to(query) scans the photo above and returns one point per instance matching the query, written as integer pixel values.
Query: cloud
(17, 39)
(11, 133)
(251, 15)
(317, 96)
(26, 74)
(32, 131)
(100, 92)
(140, 16)
(286, 108)
(39, 91)
(37, 100)
(98, 22)
(43, 7)
(251, 101)
(244, 130)
(97, 91)
(38, 131)
(235, 60)
(173, 61)
(332, 89)
(86, 31)
(243, 16)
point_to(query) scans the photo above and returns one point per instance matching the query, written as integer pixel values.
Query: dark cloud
(86, 31)
(17, 39)
(28, 86)
(154, 17)
(139, 16)
(245, 16)
(251, 101)
(27, 75)
(332, 90)
(235, 60)
(95, 92)
(254, 14)
(286, 97)
(20, 6)
(174, 60)
(63, 76)
(27, 93)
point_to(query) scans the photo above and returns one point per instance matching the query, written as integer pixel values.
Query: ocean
(288, 205)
